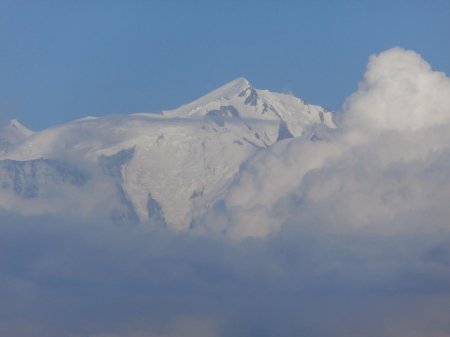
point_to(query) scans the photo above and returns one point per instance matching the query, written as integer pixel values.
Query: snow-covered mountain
(167, 167)
(12, 133)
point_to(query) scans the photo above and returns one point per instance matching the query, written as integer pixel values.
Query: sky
(346, 235)
(64, 60)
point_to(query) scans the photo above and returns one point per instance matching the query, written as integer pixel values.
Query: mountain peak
(229, 90)
(13, 132)
(234, 87)
(15, 126)
(237, 87)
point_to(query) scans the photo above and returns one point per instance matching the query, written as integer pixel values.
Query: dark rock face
(251, 96)
(155, 213)
(226, 111)
(29, 178)
(112, 166)
(283, 132)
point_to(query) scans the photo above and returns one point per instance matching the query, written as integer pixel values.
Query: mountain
(240, 100)
(12, 133)
(166, 168)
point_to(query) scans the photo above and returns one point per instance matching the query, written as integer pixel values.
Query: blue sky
(60, 60)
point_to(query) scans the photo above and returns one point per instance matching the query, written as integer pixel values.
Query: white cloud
(400, 92)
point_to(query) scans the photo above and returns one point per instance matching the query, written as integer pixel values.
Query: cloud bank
(348, 236)
(388, 160)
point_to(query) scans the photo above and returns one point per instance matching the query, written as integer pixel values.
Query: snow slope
(12, 133)
(168, 167)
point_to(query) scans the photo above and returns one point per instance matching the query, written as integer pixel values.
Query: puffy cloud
(263, 181)
(400, 92)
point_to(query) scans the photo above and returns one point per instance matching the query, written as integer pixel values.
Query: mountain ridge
(171, 166)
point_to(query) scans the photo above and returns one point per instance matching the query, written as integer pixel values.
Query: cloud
(345, 236)
(67, 278)
(400, 92)
(389, 159)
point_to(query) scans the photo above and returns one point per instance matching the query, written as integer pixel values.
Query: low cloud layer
(61, 278)
(345, 236)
